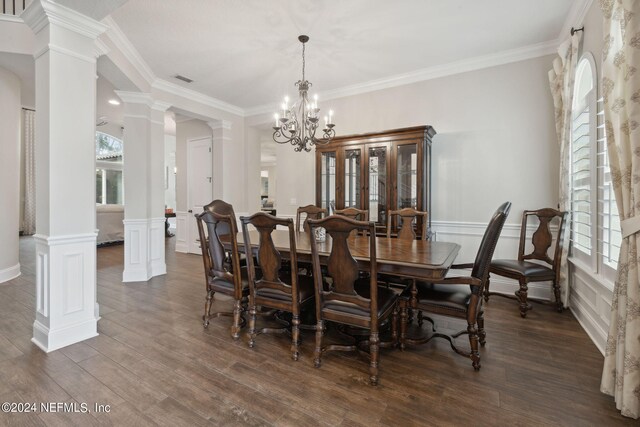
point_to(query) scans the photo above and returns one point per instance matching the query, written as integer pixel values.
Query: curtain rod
(575, 30)
(28, 109)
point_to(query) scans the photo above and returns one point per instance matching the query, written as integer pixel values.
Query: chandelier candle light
(297, 123)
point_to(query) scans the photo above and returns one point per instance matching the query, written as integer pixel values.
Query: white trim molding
(120, 40)
(66, 303)
(175, 89)
(42, 12)
(9, 273)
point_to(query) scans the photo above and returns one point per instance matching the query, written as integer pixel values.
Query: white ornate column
(65, 64)
(9, 174)
(143, 141)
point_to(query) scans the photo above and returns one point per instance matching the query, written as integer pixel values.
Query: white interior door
(199, 185)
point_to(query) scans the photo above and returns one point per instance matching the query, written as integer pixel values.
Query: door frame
(190, 203)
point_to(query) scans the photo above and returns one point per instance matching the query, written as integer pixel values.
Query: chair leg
(473, 342)
(207, 309)
(252, 326)
(295, 336)
(394, 325)
(486, 289)
(482, 335)
(237, 312)
(522, 297)
(403, 323)
(317, 358)
(556, 292)
(374, 350)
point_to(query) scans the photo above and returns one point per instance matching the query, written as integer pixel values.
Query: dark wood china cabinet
(379, 172)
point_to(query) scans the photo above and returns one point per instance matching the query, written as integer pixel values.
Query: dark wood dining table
(419, 259)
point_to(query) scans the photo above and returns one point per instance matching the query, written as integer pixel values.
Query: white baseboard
(9, 273)
(588, 323)
(537, 290)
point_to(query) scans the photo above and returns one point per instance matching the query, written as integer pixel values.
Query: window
(595, 225)
(109, 185)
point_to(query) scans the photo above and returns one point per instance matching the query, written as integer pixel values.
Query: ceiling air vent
(183, 78)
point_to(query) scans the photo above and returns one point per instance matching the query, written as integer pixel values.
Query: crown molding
(575, 17)
(120, 40)
(135, 98)
(177, 90)
(11, 18)
(452, 68)
(42, 12)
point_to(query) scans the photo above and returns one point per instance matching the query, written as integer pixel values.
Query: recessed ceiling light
(114, 102)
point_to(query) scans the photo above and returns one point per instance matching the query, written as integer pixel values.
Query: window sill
(588, 270)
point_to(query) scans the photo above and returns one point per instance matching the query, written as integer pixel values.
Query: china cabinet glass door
(352, 178)
(328, 180)
(407, 176)
(377, 184)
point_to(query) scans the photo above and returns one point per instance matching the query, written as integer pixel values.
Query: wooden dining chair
(353, 213)
(406, 218)
(223, 208)
(458, 296)
(525, 269)
(277, 288)
(309, 212)
(342, 297)
(228, 278)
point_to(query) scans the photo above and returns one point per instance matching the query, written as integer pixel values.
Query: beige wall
(495, 142)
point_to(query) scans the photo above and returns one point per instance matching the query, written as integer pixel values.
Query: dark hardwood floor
(154, 364)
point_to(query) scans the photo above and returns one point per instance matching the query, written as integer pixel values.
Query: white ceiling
(246, 52)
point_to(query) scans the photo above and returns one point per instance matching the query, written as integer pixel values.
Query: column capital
(40, 13)
(100, 48)
(219, 124)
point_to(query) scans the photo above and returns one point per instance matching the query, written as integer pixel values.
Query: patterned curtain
(621, 93)
(29, 224)
(561, 79)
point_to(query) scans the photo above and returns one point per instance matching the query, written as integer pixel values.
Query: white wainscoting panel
(156, 244)
(182, 233)
(136, 247)
(65, 290)
(590, 302)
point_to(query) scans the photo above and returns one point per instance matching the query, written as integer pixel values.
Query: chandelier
(297, 124)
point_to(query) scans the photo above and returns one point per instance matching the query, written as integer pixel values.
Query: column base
(65, 290)
(49, 340)
(143, 249)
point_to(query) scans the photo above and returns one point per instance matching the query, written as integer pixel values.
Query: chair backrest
(213, 253)
(310, 212)
(488, 245)
(221, 208)
(341, 267)
(542, 238)
(408, 217)
(354, 213)
(268, 257)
